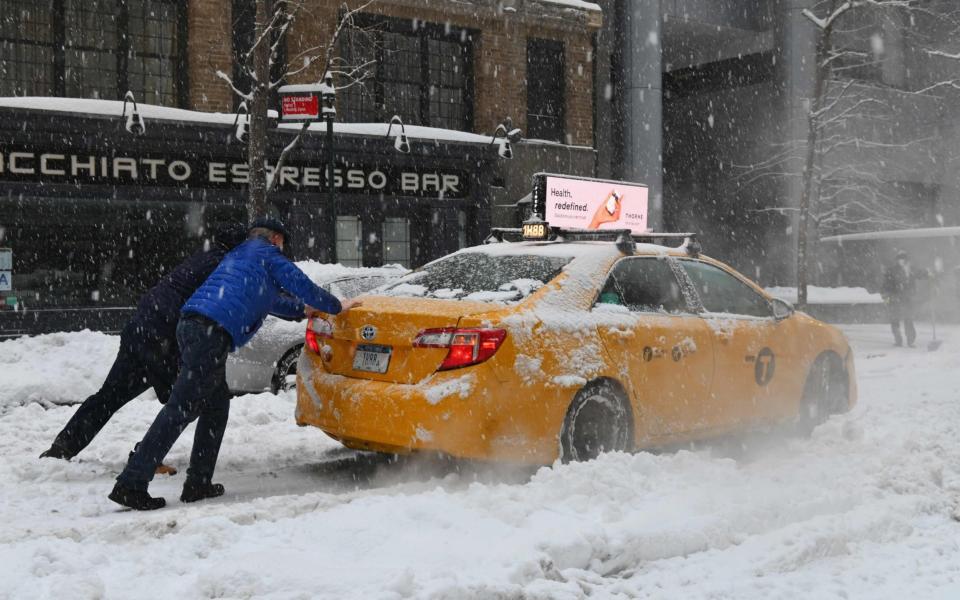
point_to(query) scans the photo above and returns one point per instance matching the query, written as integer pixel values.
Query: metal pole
(643, 101)
(330, 214)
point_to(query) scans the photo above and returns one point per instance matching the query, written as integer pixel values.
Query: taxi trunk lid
(387, 325)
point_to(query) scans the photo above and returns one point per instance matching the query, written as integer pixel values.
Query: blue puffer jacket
(246, 286)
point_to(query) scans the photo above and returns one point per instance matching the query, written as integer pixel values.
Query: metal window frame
(406, 242)
(59, 47)
(424, 32)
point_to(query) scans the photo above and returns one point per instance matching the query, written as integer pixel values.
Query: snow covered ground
(863, 509)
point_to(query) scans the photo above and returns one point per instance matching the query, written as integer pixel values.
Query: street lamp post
(328, 96)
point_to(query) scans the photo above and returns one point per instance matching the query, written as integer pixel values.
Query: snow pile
(321, 273)
(149, 112)
(863, 509)
(828, 295)
(56, 368)
(115, 108)
(577, 4)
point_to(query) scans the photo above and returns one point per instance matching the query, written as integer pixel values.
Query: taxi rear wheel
(597, 421)
(826, 392)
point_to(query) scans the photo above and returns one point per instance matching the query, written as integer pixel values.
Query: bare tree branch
(229, 80)
(274, 21)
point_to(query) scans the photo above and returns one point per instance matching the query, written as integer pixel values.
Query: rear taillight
(467, 346)
(317, 329)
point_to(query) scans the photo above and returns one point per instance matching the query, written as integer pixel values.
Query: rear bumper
(448, 412)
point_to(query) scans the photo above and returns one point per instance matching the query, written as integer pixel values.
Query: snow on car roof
(589, 260)
(564, 249)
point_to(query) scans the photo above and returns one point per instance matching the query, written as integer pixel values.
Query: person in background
(222, 315)
(148, 356)
(899, 290)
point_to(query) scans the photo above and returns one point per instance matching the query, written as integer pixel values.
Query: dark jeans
(144, 361)
(901, 311)
(200, 393)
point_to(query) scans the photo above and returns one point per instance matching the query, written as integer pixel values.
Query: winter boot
(197, 490)
(57, 451)
(135, 499)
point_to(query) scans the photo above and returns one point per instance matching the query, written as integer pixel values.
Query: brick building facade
(458, 70)
(499, 53)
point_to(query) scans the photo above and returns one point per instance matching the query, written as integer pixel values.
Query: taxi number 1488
(535, 231)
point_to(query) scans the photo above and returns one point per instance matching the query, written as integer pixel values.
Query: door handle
(684, 348)
(650, 353)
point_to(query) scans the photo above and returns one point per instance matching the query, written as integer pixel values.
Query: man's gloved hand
(345, 305)
(350, 304)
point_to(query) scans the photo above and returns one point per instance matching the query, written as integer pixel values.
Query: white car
(268, 362)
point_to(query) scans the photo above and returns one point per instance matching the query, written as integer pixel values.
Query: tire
(825, 393)
(598, 420)
(285, 366)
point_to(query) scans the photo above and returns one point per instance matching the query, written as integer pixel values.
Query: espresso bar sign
(24, 165)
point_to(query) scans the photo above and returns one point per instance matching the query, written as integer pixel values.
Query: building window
(91, 49)
(396, 241)
(154, 33)
(94, 49)
(349, 238)
(545, 73)
(64, 257)
(26, 47)
(422, 72)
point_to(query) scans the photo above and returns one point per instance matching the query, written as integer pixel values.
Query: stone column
(796, 41)
(643, 102)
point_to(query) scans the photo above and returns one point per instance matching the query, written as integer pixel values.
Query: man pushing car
(148, 355)
(222, 315)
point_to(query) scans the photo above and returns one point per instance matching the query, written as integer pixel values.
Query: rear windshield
(479, 276)
(354, 286)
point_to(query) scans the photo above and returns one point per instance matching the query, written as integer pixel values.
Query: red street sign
(300, 107)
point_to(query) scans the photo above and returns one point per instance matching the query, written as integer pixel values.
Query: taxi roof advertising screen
(593, 204)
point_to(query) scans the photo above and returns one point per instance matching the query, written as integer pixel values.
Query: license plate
(371, 358)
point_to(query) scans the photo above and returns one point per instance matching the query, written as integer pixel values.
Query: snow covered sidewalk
(861, 510)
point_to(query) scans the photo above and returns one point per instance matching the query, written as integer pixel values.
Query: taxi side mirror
(781, 309)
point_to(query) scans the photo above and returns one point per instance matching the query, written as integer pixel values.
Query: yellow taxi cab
(532, 351)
